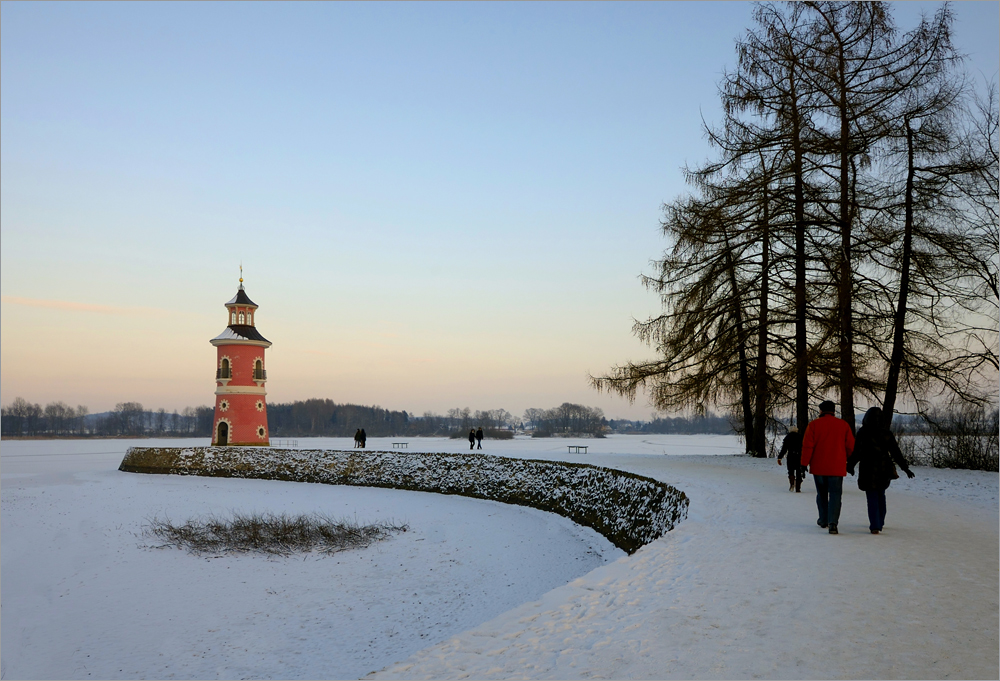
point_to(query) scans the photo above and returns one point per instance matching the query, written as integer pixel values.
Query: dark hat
(827, 406)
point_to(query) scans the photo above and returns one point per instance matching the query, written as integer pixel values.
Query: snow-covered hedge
(630, 510)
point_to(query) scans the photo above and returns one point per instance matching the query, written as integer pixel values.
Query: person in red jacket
(826, 445)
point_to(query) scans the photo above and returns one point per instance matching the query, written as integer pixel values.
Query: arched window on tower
(233, 318)
(250, 318)
(224, 369)
(258, 371)
(241, 317)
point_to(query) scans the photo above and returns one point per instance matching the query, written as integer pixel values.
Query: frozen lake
(83, 597)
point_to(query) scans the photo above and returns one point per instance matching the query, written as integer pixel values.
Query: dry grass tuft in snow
(276, 534)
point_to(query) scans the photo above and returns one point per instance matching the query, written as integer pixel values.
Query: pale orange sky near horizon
(394, 365)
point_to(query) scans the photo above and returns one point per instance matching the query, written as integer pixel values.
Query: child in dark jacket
(791, 447)
(875, 450)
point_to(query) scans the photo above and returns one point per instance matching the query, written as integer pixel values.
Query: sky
(436, 205)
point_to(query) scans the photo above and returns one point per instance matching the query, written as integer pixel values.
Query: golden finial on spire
(241, 274)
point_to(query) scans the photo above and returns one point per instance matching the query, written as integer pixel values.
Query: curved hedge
(630, 510)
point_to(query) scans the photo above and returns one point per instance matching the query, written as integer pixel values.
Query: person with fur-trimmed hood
(791, 447)
(875, 450)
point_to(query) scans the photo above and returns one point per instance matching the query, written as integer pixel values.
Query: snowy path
(749, 587)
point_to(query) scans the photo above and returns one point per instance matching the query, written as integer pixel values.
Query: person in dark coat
(479, 438)
(791, 447)
(364, 438)
(472, 439)
(357, 438)
(875, 450)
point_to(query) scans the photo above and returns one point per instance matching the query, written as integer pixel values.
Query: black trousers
(795, 474)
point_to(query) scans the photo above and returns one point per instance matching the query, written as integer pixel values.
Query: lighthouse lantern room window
(240, 386)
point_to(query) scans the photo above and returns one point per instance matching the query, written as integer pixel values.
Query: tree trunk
(760, 438)
(845, 298)
(899, 320)
(746, 400)
(801, 351)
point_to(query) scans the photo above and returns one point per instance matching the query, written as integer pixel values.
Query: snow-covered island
(629, 510)
(747, 586)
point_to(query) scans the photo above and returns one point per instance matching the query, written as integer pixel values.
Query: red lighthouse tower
(240, 410)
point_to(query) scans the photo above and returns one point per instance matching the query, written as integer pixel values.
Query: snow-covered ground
(748, 586)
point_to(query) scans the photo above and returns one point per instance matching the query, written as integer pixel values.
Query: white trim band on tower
(240, 390)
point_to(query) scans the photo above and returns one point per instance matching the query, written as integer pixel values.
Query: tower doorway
(222, 436)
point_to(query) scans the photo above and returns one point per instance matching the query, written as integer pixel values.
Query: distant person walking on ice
(826, 444)
(875, 450)
(472, 439)
(791, 447)
(364, 438)
(479, 438)
(357, 438)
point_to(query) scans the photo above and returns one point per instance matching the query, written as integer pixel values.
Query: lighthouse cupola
(240, 376)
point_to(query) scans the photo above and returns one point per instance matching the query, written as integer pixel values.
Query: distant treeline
(128, 419)
(326, 418)
(567, 419)
(709, 423)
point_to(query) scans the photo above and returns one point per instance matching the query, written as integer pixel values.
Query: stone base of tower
(244, 444)
(240, 420)
(216, 442)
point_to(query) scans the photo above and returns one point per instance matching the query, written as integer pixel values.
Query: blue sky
(436, 205)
